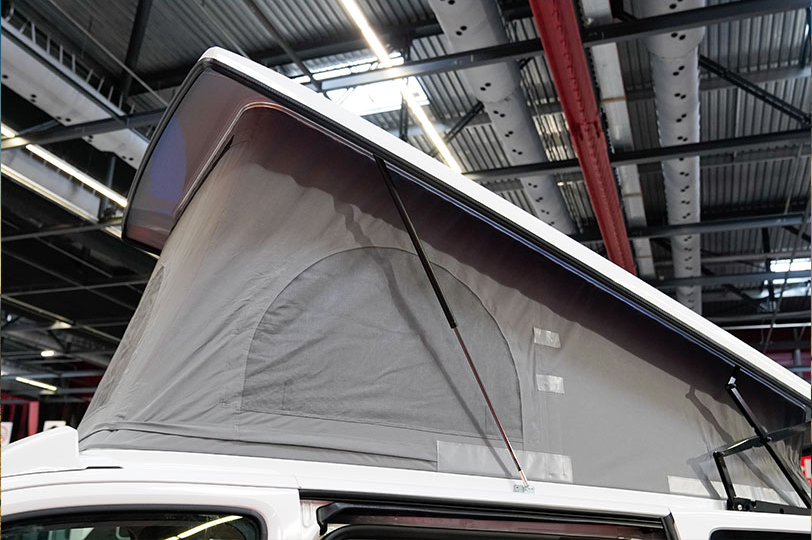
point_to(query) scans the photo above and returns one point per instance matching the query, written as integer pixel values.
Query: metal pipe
(476, 25)
(675, 74)
(424, 261)
(560, 35)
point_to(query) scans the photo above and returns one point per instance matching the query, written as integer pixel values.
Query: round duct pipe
(473, 24)
(675, 74)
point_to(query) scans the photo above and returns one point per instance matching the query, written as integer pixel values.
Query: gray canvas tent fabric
(288, 317)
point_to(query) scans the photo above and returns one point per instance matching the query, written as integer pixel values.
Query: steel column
(560, 35)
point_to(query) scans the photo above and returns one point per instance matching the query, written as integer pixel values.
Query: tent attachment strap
(435, 285)
(762, 439)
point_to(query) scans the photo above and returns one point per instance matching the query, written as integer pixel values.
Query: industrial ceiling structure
(674, 138)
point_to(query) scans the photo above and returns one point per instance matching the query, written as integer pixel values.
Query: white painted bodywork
(47, 472)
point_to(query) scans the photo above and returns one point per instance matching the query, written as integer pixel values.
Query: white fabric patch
(695, 487)
(546, 338)
(484, 460)
(550, 383)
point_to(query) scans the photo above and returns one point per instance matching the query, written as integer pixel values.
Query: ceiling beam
(651, 155)
(54, 375)
(18, 306)
(753, 317)
(86, 129)
(53, 288)
(690, 18)
(722, 279)
(139, 30)
(62, 230)
(495, 54)
(719, 225)
(592, 36)
(737, 258)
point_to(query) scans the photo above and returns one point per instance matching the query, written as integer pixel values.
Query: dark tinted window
(757, 535)
(114, 525)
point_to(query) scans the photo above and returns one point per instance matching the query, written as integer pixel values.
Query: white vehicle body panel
(696, 525)
(271, 488)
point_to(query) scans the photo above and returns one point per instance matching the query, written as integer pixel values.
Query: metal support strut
(421, 254)
(762, 439)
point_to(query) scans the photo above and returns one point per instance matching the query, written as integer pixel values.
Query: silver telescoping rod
(421, 254)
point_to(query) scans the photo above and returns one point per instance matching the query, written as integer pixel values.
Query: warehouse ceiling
(85, 81)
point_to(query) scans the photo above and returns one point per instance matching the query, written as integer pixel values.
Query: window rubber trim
(73, 511)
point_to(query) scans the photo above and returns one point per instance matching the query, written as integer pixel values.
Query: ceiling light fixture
(38, 384)
(354, 11)
(66, 167)
(6, 131)
(48, 353)
(38, 188)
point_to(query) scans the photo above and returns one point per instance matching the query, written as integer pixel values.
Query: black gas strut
(418, 247)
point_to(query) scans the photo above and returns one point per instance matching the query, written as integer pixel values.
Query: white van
(343, 338)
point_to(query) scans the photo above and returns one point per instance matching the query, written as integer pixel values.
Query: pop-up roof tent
(289, 317)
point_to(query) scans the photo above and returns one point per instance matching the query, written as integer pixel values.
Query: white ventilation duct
(474, 24)
(675, 74)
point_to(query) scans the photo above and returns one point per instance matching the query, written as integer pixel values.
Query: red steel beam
(560, 34)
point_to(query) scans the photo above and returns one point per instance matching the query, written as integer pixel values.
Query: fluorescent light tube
(6, 131)
(38, 384)
(377, 47)
(76, 173)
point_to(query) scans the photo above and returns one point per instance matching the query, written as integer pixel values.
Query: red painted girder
(557, 24)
